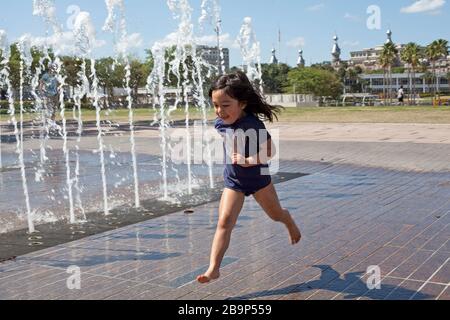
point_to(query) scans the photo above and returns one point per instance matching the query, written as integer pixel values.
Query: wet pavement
(49, 196)
(375, 195)
(49, 234)
(352, 218)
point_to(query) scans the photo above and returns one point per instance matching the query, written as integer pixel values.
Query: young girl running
(239, 107)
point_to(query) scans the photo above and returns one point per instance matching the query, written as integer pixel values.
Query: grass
(388, 114)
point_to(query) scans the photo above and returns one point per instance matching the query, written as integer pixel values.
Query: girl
(239, 105)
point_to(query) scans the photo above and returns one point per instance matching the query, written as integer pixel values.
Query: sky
(306, 24)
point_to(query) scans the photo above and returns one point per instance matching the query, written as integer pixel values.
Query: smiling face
(228, 109)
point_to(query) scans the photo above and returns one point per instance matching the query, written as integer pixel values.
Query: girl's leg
(268, 200)
(230, 207)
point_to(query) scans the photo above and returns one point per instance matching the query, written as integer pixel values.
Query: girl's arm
(267, 152)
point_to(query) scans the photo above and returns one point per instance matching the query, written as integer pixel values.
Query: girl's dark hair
(238, 86)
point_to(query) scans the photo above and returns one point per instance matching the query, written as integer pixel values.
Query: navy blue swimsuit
(246, 180)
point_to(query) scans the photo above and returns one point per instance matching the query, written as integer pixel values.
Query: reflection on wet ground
(18, 242)
(351, 218)
(48, 197)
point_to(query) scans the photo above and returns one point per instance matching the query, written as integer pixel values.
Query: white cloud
(298, 42)
(236, 45)
(316, 7)
(225, 40)
(169, 40)
(133, 41)
(424, 6)
(63, 43)
(3, 40)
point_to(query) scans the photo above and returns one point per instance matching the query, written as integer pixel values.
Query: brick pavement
(352, 217)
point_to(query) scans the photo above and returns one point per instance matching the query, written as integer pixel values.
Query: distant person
(239, 108)
(401, 96)
(48, 88)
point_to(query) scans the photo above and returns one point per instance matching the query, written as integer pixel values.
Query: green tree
(314, 81)
(71, 68)
(274, 77)
(387, 58)
(428, 77)
(14, 66)
(353, 75)
(139, 74)
(435, 51)
(411, 55)
(110, 74)
(325, 66)
(170, 55)
(448, 79)
(383, 60)
(342, 73)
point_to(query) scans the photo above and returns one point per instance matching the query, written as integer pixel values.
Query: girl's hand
(240, 160)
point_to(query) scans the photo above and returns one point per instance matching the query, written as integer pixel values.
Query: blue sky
(310, 24)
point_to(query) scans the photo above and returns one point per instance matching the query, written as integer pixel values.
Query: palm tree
(387, 59)
(435, 51)
(406, 56)
(412, 54)
(448, 79)
(428, 77)
(384, 65)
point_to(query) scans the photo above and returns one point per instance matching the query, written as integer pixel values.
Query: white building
(212, 56)
(369, 59)
(375, 83)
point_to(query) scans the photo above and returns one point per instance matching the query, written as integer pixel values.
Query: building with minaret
(336, 53)
(369, 59)
(300, 61)
(389, 37)
(273, 58)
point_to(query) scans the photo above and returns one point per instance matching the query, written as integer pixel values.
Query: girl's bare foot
(208, 276)
(294, 231)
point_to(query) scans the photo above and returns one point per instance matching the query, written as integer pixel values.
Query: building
(374, 83)
(336, 53)
(273, 58)
(211, 55)
(442, 65)
(300, 60)
(369, 59)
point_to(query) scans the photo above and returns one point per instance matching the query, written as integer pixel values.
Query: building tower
(273, 59)
(389, 36)
(336, 53)
(300, 61)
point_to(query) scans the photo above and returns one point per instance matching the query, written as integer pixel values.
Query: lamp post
(217, 29)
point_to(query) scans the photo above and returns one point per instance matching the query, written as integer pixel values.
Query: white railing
(292, 100)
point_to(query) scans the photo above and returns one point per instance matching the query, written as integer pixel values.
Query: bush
(27, 105)
(314, 81)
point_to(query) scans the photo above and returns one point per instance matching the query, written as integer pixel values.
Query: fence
(292, 100)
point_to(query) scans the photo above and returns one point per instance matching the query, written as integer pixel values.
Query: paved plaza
(374, 195)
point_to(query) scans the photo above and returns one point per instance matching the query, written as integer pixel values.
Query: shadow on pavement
(350, 285)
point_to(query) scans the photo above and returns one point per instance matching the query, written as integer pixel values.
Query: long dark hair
(238, 86)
